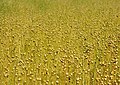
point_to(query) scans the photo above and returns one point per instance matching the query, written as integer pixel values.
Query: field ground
(59, 42)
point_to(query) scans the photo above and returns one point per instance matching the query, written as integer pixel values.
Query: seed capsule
(77, 82)
(38, 79)
(109, 83)
(111, 77)
(52, 82)
(57, 77)
(24, 81)
(77, 79)
(19, 79)
(46, 83)
(112, 72)
(119, 76)
(119, 80)
(16, 74)
(30, 78)
(57, 82)
(6, 75)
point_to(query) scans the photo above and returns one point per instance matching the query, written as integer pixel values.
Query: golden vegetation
(59, 42)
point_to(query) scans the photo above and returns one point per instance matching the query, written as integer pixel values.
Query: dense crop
(60, 42)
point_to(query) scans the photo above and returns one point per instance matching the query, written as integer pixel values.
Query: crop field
(59, 42)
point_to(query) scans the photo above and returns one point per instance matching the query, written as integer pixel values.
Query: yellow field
(59, 42)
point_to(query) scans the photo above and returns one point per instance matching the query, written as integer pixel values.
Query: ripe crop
(59, 42)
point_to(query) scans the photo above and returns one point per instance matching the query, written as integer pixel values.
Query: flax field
(59, 42)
